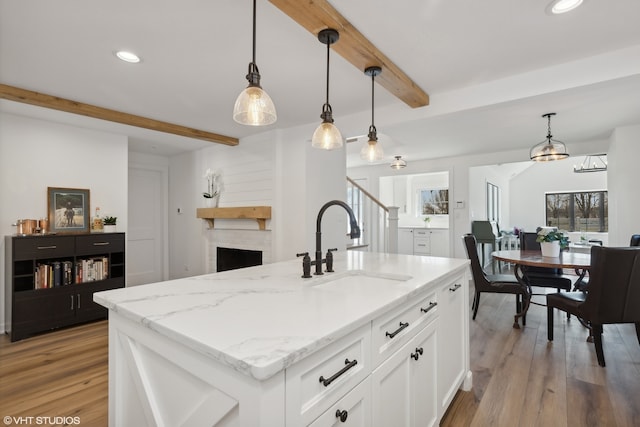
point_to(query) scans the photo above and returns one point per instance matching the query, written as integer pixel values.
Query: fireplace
(232, 258)
(241, 239)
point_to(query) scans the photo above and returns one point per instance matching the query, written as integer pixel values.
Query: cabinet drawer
(99, 243)
(417, 233)
(394, 329)
(316, 383)
(421, 245)
(43, 247)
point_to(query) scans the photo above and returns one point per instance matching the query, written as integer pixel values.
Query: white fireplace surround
(254, 240)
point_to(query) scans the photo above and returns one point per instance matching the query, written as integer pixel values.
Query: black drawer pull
(455, 287)
(432, 305)
(332, 378)
(397, 331)
(342, 415)
(418, 353)
(101, 244)
(47, 247)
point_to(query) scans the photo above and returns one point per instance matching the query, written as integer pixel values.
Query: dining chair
(542, 276)
(495, 283)
(613, 296)
(488, 232)
(583, 285)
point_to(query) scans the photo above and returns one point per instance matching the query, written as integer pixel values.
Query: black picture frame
(68, 210)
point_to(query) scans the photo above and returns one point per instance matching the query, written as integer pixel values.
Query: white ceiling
(491, 68)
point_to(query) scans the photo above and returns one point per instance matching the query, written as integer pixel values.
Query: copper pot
(44, 225)
(26, 226)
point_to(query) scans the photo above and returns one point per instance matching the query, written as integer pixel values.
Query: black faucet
(355, 232)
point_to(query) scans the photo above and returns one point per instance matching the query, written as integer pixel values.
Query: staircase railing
(378, 223)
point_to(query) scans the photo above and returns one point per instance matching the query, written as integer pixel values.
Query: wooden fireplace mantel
(259, 213)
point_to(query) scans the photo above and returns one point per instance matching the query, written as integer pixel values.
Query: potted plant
(427, 220)
(551, 242)
(110, 224)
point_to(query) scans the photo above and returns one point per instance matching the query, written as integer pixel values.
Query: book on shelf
(54, 274)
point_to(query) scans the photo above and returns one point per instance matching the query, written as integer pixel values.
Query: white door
(145, 248)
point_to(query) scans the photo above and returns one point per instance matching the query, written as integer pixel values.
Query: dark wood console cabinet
(35, 304)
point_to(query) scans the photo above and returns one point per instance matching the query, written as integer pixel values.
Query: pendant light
(327, 136)
(398, 163)
(549, 149)
(592, 163)
(254, 106)
(372, 152)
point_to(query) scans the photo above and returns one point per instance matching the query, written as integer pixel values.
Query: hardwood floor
(60, 374)
(519, 378)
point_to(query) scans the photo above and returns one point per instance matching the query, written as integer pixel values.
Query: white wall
(36, 154)
(624, 200)
(459, 190)
(404, 191)
(275, 168)
(528, 190)
(499, 175)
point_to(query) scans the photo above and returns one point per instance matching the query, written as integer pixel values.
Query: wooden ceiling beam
(316, 15)
(53, 102)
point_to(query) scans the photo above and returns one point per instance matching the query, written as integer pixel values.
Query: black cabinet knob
(342, 415)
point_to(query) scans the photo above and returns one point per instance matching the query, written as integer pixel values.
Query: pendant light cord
(254, 31)
(373, 77)
(328, 48)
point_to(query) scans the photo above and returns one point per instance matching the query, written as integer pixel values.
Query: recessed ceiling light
(562, 6)
(128, 56)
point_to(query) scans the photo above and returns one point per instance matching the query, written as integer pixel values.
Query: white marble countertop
(260, 320)
(422, 226)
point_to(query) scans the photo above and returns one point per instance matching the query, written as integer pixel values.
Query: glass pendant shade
(398, 163)
(254, 107)
(549, 149)
(327, 137)
(372, 152)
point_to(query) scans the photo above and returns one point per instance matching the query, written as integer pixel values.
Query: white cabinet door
(405, 241)
(354, 409)
(452, 347)
(404, 387)
(424, 378)
(440, 243)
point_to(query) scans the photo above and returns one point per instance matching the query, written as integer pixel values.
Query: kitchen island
(384, 340)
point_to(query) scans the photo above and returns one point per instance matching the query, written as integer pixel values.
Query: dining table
(579, 262)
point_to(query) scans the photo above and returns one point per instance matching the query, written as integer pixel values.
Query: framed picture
(68, 210)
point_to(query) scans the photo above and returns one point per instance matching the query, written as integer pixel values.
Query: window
(579, 211)
(493, 202)
(434, 202)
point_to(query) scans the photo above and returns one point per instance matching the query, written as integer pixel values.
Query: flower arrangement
(551, 235)
(214, 184)
(427, 219)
